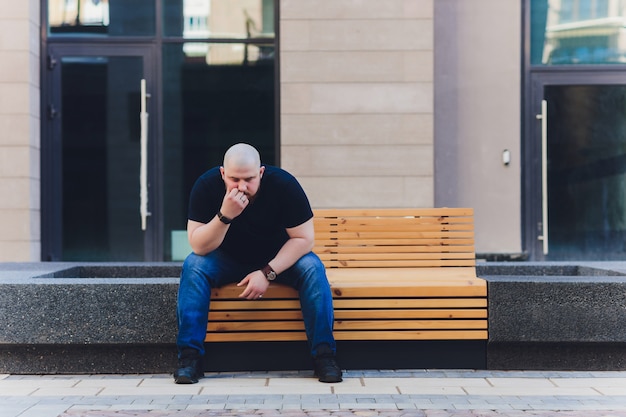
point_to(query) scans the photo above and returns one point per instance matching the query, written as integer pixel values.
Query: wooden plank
(392, 325)
(379, 249)
(399, 264)
(419, 242)
(368, 212)
(356, 335)
(249, 326)
(386, 275)
(359, 261)
(253, 305)
(261, 315)
(412, 303)
(410, 314)
(274, 291)
(407, 291)
(355, 303)
(364, 235)
(341, 217)
(368, 287)
(256, 337)
(413, 335)
(419, 280)
(255, 315)
(371, 280)
(344, 325)
(402, 226)
(397, 256)
(398, 225)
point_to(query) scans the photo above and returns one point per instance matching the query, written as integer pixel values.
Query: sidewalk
(432, 393)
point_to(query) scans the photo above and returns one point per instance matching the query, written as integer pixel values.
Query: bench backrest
(366, 238)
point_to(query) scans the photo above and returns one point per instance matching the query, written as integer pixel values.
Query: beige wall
(357, 100)
(19, 131)
(477, 116)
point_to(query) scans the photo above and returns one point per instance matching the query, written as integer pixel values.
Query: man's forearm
(205, 238)
(294, 249)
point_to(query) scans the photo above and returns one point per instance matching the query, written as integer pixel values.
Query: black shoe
(190, 368)
(326, 369)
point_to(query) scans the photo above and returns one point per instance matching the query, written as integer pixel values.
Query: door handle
(544, 175)
(143, 167)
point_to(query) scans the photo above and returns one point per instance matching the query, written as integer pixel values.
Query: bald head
(242, 155)
(242, 170)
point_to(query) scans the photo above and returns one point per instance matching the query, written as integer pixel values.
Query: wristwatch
(223, 218)
(270, 274)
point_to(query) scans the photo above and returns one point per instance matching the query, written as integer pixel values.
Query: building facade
(110, 109)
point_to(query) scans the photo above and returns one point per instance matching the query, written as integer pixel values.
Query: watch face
(271, 276)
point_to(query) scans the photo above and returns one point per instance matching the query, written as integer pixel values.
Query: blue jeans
(202, 273)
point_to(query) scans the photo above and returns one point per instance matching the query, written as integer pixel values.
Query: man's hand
(256, 285)
(234, 202)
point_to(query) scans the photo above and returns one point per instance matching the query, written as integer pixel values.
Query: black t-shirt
(255, 236)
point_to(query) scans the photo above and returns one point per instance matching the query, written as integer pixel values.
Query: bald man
(251, 224)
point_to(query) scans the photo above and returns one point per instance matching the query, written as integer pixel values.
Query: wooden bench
(395, 274)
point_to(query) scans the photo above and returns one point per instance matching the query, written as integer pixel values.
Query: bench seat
(395, 274)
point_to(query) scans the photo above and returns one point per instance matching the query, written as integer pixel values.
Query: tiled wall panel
(357, 100)
(19, 131)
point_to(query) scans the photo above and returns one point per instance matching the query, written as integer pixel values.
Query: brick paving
(334, 413)
(406, 393)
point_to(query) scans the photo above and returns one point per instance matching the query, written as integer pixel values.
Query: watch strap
(269, 272)
(223, 219)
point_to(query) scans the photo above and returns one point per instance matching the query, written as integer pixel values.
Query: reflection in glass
(565, 32)
(210, 102)
(102, 17)
(587, 172)
(225, 19)
(229, 54)
(79, 13)
(100, 105)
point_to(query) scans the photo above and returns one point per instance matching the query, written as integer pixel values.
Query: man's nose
(242, 187)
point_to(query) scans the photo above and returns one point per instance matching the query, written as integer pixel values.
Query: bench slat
(353, 304)
(269, 315)
(396, 256)
(360, 335)
(396, 236)
(239, 326)
(399, 264)
(376, 248)
(414, 335)
(399, 212)
(402, 226)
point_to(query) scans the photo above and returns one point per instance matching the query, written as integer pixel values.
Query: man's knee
(311, 263)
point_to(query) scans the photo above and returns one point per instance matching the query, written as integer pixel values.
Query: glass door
(577, 170)
(97, 159)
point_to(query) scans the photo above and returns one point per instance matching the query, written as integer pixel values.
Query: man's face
(246, 179)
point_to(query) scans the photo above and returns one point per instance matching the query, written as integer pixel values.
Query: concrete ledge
(66, 318)
(87, 359)
(559, 316)
(557, 356)
(121, 318)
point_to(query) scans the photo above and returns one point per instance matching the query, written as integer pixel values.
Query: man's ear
(222, 171)
(261, 171)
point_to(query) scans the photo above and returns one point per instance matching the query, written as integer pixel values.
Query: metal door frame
(532, 145)
(51, 158)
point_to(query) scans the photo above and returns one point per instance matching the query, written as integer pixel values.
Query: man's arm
(206, 237)
(301, 241)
